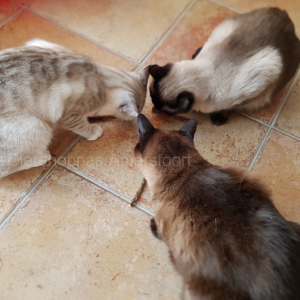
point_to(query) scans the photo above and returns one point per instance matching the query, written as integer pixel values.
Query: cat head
(127, 94)
(160, 151)
(166, 90)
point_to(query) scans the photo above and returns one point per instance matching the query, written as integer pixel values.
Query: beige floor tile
(289, 119)
(128, 27)
(291, 6)
(14, 186)
(110, 159)
(233, 144)
(73, 240)
(7, 9)
(27, 26)
(279, 167)
(266, 114)
(191, 32)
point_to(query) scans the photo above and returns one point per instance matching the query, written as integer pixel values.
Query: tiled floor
(66, 231)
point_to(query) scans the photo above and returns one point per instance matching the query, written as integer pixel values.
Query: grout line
(138, 193)
(227, 6)
(259, 149)
(105, 187)
(273, 122)
(165, 35)
(22, 5)
(287, 95)
(286, 133)
(26, 196)
(137, 68)
(254, 119)
(84, 37)
(144, 209)
(40, 180)
(12, 16)
(69, 148)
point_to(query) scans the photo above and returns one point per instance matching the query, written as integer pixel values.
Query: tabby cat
(245, 63)
(225, 236)
(43, 85)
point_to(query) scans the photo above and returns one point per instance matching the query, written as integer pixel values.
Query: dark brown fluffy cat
(225, 236)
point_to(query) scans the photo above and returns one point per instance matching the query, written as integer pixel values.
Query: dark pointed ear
(145, 128)
(184, 100)
(158, 72)
(189, 129)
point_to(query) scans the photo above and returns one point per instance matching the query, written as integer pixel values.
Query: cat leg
(26, 142)
(220, 117)
(196, 53)
(154, 229)
(80, 125)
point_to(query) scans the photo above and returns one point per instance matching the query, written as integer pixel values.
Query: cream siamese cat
(43, 85)
(244, 64)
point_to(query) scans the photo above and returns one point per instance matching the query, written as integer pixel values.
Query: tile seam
(166, 34)
(68, 149)
(22, 5)
(273, 121)
(227, 6)
(23, 199)
(286, 97)
(259, 149)
(287, 134)
(254, 119)
(12, 16)
(106, 188)
(85, 37)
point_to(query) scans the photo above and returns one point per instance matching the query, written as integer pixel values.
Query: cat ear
(144, 126)
(189, 129)
(158, 72)
(145, 74)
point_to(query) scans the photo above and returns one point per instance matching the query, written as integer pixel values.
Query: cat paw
(96, 132)
(220, 117)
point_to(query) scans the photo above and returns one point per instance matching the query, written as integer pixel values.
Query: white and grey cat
(44, 85)
(246, 61)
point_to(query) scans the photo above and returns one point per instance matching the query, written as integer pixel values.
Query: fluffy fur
(246, 61)
(225, 236)
(44, 85)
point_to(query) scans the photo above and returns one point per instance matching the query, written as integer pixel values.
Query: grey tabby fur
(44, 85)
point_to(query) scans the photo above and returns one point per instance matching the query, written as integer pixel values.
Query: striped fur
(43, 85)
